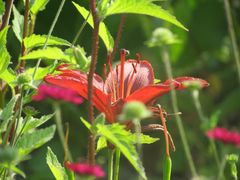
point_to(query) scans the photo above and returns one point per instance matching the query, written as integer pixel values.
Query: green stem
(232, 36)
(48, 36)
(165, 57)
(110, 163)
(60, 131)
(116, 164)
(80, 30)
(222, 167)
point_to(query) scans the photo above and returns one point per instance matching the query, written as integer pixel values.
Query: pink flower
(57, 93)
(222, 134)
(86, 169)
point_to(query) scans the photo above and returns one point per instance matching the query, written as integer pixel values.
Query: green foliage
(103, 31)
(145, 7)
(8, 154)
(50, 53)
(2, 8)
(232, 159)
(17, 24)
(167, 168)
(33, 123)
(41, 71)
(4, 55)
(6, 114)
(30, 141)
(56, 168)
(14, 169)
(212, 122)
(39, 40)
(38, 5)
(9, 77)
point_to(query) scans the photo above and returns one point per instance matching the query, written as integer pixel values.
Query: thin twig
(7, 14)
(232, 36)
(118, 37)
(95, 41)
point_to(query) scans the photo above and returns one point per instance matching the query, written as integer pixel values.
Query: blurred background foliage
(205, 51)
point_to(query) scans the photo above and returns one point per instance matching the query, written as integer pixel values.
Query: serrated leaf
(87, 124)
(30, 141)
(145, 7)
(7, 113)
(4, 55)
(50, 53)
(38, 5)
(121, 138)
(101, 143)
(103, 31)
(17, 22)
(144, 139)
(55, 167)
(35, 122)
(39, 40)
(8, 77)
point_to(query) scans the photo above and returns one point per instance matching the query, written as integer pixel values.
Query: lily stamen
(121, 88)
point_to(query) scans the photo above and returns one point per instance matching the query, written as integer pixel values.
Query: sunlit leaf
(103, 31)
(8, 77)
(30, 141)
(55, 167)
(7, 113)
(41, 71)
(121, 138)
(38, 5)
(101, 143)
(4, 55)
(39, 40)
(17, 24)
(146, 7)
(144, 139)
(50, 53)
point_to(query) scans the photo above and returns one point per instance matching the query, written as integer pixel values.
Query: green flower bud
(23, 79)
(134, 110)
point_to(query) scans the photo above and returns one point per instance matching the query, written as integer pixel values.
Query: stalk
(110, 163)
(95, 41)
(7, 14)
(165, 57)
(116, 164)
(232, 36)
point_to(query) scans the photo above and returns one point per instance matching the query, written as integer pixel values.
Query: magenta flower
(57, 93)
(86, 169)
(224, 135)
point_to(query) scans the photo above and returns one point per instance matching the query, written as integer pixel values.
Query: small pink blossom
(85, 169)
(57, 93)
(224, 135)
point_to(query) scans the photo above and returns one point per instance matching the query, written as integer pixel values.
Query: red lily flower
(131, 80)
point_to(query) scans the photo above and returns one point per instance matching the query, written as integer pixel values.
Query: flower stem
(95, 41)
(60, 130)
(232, 36)
(80, 30)
(110, 163)
(7, 14)
(116, 164)
(165, 57)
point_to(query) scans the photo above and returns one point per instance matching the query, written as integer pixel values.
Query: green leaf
(103, 31)
(41, 71)
(33, 123)
(30, 141)
(87, 124)
(55, 167)
(13, 168)
(167, 168)
(8, 77)
(39, 40)
(145, 7)
(101, 143)
(144, 139)
(4, 55)
(121, 138)
(232, 159)
(38, 5)
(50, 53)
(7, 113)
(2, 8)
(18, 22)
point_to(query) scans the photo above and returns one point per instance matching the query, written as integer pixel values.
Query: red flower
(225, 136)
(131, 80)
(57, 93)
(86, 169)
